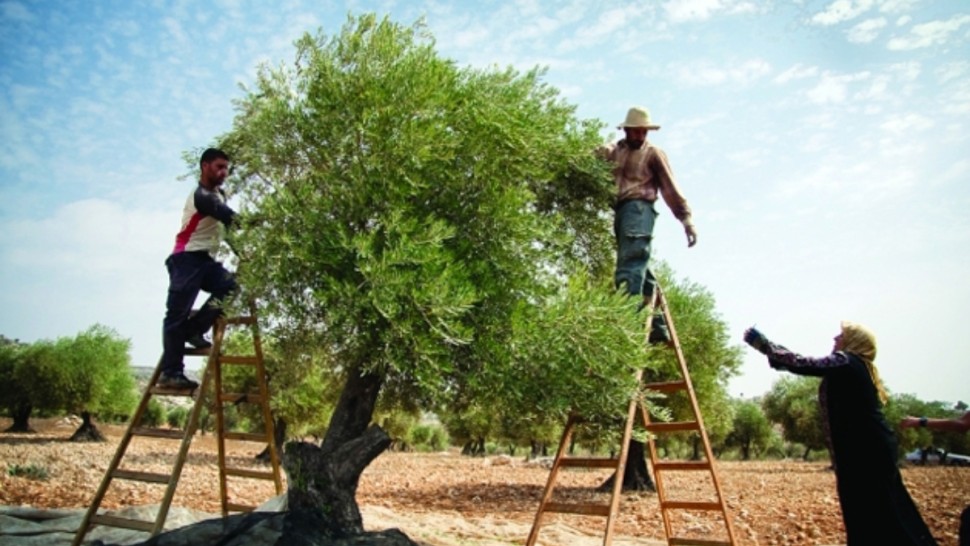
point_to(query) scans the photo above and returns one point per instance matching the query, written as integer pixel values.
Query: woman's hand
(757, 340)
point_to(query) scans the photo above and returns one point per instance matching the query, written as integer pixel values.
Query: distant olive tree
(751, 431)
(88, 374)
(793, 403)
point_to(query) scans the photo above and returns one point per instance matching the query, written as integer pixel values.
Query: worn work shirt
(644, 174)
(204, 215)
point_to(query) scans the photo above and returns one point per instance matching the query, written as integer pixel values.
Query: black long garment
(876, 507)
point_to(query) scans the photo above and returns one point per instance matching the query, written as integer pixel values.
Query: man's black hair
(212, 154)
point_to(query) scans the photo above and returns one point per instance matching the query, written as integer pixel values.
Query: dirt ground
(444, 498)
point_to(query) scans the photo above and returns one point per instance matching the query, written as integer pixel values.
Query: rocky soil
(444, 499)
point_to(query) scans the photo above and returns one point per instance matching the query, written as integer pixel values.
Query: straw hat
(638, 116)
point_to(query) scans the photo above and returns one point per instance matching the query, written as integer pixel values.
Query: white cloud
(609, 22)
(680, 11)
(906, 124)
(866, 31)
(796, 72)
(929, 34)
(834, 88)
(953, 71)
(841, 11)
(703, 74)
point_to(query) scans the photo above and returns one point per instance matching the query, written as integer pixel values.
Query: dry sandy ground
(444, 499)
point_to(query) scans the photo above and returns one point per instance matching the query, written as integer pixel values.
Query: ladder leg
(268, 424)
(215, 367)
(695, 408)
(551, 481)
(190, 429)
(621, 468)
(116, 460)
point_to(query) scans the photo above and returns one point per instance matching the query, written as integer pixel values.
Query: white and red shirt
(203, 219)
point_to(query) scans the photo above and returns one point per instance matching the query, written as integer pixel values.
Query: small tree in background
(793, 404)
(751, 430)
(98, 378)
(87, 374)
(14, 384)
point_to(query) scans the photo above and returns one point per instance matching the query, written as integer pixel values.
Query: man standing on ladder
(192, 267)
(642, 174)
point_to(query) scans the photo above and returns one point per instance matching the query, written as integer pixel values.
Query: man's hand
(691, 235)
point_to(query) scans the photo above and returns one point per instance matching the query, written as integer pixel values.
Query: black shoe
(199, 342)
(177, 381)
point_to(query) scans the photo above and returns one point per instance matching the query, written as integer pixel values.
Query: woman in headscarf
(876, 508)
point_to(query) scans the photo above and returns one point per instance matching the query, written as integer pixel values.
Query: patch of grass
(31, 471)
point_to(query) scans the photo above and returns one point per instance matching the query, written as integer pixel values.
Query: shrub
(31, 471)
(177, 417)
(154, 414)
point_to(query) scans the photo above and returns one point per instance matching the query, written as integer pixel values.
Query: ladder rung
(126, 523)
(150, 477)
(158, 433)
(581, 509)
(248, 360)
(233, 507)
(241, 397)
(191, 351)
(673, 427)
(690, 505)
(674, 541)
(243, 473)
(241, 320)
(667, 386)
(682, 465)
(169, 391)
(246, 437)
(590, 462)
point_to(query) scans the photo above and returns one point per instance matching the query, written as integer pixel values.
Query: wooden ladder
(212, 372)
(637, 412)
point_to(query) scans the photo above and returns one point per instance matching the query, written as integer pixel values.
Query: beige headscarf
(858, 340)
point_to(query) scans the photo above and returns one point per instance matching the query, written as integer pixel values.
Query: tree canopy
(437, 232)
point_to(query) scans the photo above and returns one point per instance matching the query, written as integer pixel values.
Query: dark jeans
(633, 228)
(188, 273)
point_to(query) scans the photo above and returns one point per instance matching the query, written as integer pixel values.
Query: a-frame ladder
(636, 412)
(213, 373)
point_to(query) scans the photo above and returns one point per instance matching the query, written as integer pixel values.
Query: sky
(824, 147)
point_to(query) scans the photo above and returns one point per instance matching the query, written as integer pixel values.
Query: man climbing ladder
(192, 267)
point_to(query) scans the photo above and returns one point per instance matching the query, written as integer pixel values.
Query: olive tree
(96, 378)
(420, 222)
(793, 403)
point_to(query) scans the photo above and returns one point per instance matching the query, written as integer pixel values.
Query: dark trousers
(188, 273)
(633, 228)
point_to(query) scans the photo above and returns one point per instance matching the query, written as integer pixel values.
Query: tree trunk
(636, 477)
(279, 436)
(323, 480)
(87, 432)
(21, 417)
(697, 448)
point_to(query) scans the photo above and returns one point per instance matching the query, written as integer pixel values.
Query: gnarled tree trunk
(636, 477)
(87, 432)
(21, 418)
(323, 480)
